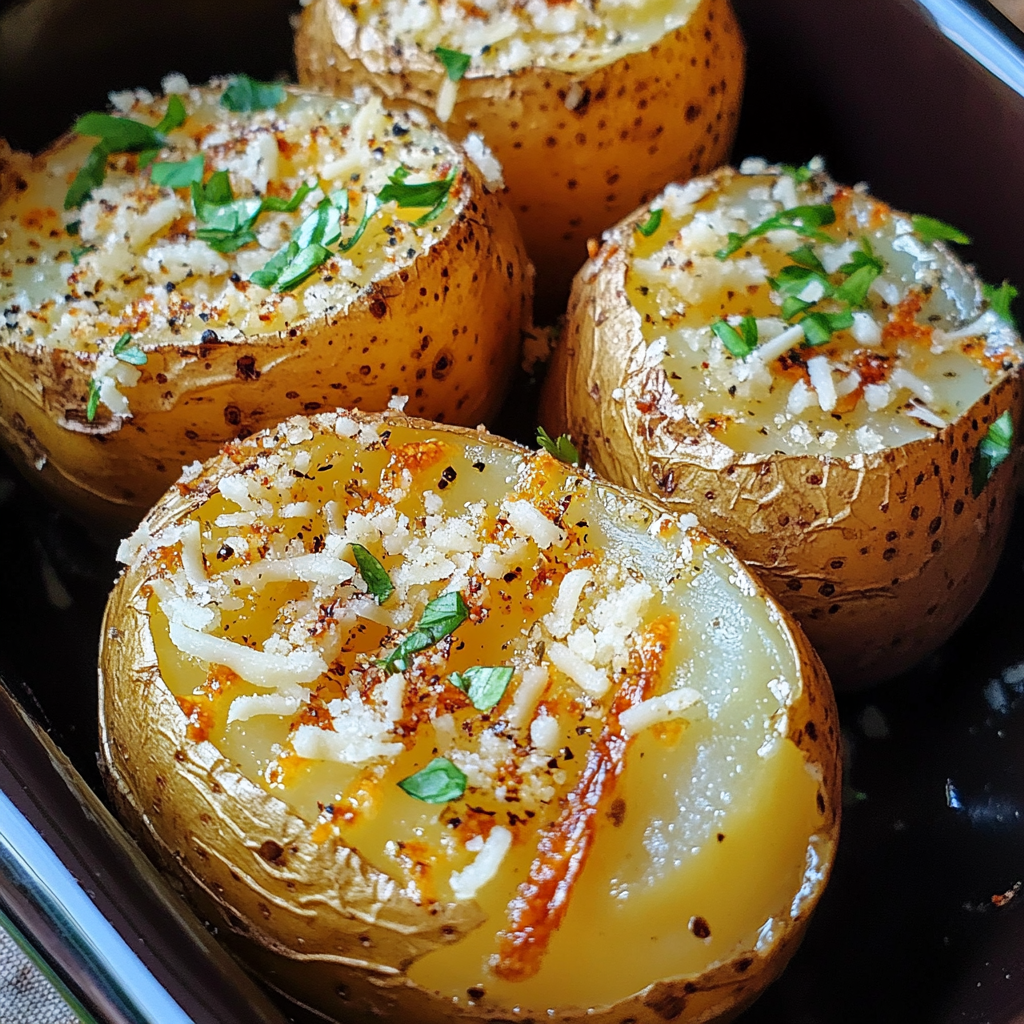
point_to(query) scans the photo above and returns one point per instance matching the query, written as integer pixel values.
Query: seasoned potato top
(218, 212)
(483, 670)
(798, 316)
(499, 36)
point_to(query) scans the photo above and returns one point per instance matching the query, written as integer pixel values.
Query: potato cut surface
(192, 268)
(508, 687)
(861, 334)
(141, 258)
(502, 36)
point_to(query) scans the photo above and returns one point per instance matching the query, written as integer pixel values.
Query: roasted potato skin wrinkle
(667, 113)
(313, 919)
(445, 332)
(880, 557)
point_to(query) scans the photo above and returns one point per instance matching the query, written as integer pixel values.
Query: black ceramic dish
(922, 922)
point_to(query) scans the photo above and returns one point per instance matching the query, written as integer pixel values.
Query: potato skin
(312, 919)
(879, 557)
(667, 113)
(445, 331)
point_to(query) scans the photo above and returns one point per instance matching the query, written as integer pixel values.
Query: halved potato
(589, 108)
(437, 728)
(823, 382)
(143, 328)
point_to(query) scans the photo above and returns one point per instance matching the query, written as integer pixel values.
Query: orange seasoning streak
(903, 325)
(540, 902)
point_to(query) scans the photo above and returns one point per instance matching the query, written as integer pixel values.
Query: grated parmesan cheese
(667, 707)
(465, 884)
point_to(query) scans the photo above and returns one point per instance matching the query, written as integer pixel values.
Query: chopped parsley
(245, 94)
(93, 401)
(993, 451)
(562, 449)
(1001, 300)
(78, 251)
(178, 173)
(818, 328)
(375, 576)
(441, 617)
(484, 686)
(456, 64)
(438, 783)
(279, 205)
(804, 220)
(807, 270)
(739, 343)
(129, 353)
(225, 222)
(652, 223)
(861, 271)
(118, 135)
(928, 229)
(428, 193)
(801, 175)
(90, 175)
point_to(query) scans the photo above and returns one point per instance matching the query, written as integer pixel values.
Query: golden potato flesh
(590, 108)
(820, 380)
(306, 253)
(439, 728)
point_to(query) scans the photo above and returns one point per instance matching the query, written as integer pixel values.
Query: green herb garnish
(1001, 299)
(818, 328)
(375, 576)
(455, 63)
(245, 94)
(562, 449)
(650, 225)
(177, 173)
(90, 175)
(428, 193)
(226, 222)
(439, 783)
(739, 343)
(993, 451)
(442, 616)
(861, 271)
(93, 402)
(804, 220)
(799, 174)
(484, 686)
(278, 205)
(118, 135)
(129, 353)
(78, 251)
(928, 229)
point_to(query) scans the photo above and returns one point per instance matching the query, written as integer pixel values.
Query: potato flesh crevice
(924, 347)
(724, 770)
(140, 267)
(503, 37)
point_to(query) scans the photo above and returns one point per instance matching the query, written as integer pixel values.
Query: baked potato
(201, 265)
(821, 380)
(590, 108)
(434, 728)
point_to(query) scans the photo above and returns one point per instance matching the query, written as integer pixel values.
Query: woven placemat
(26, 995)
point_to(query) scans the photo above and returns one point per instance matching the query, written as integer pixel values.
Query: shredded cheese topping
(136, 263)
(500, 36)
(909, 348)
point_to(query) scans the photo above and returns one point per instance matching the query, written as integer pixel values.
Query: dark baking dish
(922, 921)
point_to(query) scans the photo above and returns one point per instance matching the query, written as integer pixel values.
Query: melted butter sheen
(711, 818)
